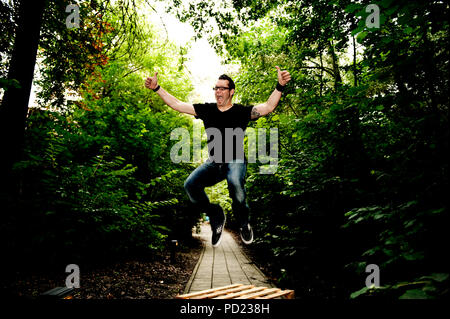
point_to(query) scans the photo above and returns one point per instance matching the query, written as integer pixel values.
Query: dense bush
(96, 181)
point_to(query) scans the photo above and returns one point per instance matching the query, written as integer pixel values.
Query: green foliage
(363, 140)
(8, 18)
(70, 56)
(218, 194)
(96, 180)
(101, 193)
(426, 287)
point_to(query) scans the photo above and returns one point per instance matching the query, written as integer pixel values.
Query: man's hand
(265, 108)
(283, 76)
(173, 102)
(152, 83)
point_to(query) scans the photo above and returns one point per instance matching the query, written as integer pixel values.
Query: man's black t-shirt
(225, 130)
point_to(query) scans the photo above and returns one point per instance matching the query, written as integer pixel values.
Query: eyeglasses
(220, 88)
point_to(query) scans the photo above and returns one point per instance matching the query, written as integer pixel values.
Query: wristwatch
(156, 88)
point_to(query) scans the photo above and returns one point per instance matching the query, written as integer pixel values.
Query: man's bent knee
(237, 191)
(189, 187)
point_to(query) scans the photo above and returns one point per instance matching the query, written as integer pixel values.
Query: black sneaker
(217, 225)
(247, 234)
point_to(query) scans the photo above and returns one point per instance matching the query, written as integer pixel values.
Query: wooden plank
(194, 272)
(224, 292)
(241, 293)
(288, 293)
(187, 296)
(260, 293)
(58, 292)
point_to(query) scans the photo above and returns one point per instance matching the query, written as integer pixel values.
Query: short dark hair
(230, 81)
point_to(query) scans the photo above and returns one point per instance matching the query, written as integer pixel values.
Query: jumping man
(225, 124)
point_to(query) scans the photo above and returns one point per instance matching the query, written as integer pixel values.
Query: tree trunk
(355, 71)
(321, 75)
(14, 107)
(337, 74)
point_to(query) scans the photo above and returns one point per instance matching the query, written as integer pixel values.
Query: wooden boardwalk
(223, 265)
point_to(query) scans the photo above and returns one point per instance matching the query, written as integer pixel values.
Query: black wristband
(156, 88)
(280, 87)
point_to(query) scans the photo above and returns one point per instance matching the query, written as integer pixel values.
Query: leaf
(386, 3)
(370, 252)
(5, 84)
(415, 294)
(405, 284)
(409, 223)
(352, 7)
(414, 256)
(357, 30)
(437, 211)
(408, 30)
(391, 10)
(439, 277)
(360, 37)
(161, 227)
(359, 293)
(350, 213)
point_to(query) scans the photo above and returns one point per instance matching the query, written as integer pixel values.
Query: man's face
(223, 93)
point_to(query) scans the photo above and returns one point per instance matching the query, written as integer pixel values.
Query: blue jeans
(211, 173)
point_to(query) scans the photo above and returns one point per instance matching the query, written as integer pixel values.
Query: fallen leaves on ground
(155, 278)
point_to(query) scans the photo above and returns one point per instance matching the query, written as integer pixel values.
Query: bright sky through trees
(203, 62)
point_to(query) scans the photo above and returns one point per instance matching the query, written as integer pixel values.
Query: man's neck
(224, 108)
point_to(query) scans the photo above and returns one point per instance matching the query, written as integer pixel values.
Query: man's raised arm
(265, 108)
(170, 100)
